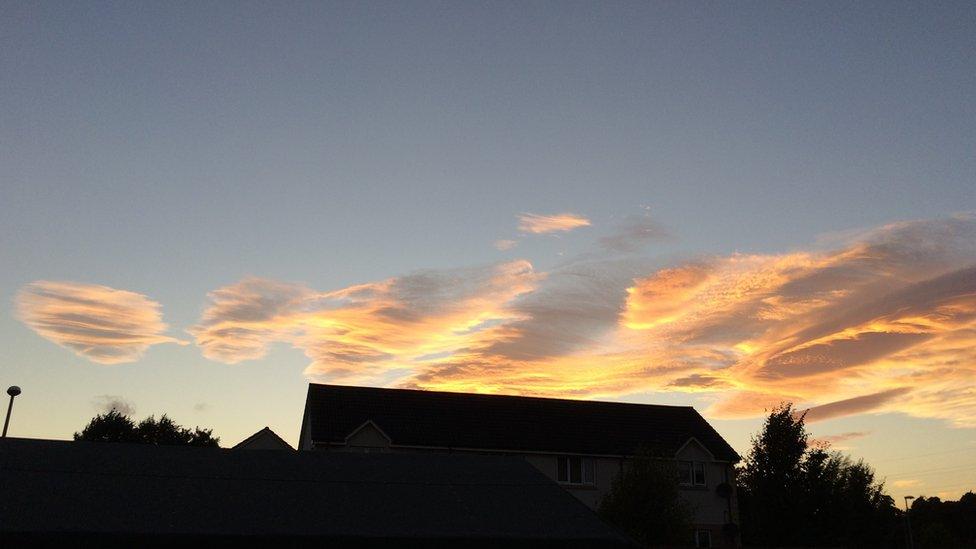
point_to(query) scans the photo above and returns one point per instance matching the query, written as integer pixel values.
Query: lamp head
(13, 390)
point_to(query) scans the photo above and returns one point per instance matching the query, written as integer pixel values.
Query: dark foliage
(937, 523)
(644, 501)
(769, 483)
(117, 427)
(113, 426)
(793, 495)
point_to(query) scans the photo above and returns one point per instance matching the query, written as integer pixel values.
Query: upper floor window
(691, 473)
(575, 470)
(703, 538)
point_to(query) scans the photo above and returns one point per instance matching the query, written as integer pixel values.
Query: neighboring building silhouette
(59, 493)
(580, 444)
(265, 439)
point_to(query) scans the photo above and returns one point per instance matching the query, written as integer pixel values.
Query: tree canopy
(792, 494)
(644, 500)
(114, 426)
(937, 523)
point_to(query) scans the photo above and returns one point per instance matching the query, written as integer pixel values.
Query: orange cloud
(882, 322)
(848, 329)
(364, 331)
(102, 324)
(856, 325)
(541, 224)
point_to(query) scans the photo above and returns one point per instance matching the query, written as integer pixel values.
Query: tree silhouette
(793, 495)
(843, 503)
(644, 500)
(770, 479)
(938, 523)
(114, 426)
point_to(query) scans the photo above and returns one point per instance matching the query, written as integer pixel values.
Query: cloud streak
(853, 405)
(541, 224)
(103, 324)
(367, 331)
(840, 438)
(884, 321)
(842, 331)
(881, 321)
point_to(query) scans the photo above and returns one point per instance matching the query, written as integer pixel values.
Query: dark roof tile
(102, 489)
(499, 422)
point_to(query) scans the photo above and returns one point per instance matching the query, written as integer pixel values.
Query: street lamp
(13, 391)
(908, 523)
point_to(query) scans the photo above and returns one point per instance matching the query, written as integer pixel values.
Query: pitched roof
(498, 422)
(267, 436)
(111, 490)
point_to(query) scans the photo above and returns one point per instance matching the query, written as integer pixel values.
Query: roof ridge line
(497, 395)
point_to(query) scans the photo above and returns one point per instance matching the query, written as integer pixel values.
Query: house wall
(368, 437)
(605, 469)
(711, 511)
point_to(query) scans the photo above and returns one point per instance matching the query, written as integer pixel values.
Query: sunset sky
(724, 206)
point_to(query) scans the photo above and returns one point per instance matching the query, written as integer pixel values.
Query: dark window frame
(575, 470)
(692, 473)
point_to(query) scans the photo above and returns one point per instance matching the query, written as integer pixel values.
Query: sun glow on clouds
(882, 322)
(541, 224)
(102, 324)
(363, 332)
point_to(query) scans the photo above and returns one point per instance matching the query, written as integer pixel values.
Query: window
(684, 473)
(574, 470)
(699, 470)
(691, 473)
(703, 538)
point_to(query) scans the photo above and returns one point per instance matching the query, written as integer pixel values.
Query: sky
(205, 206)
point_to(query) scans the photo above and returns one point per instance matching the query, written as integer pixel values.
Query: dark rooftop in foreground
(80, 491)
(265, 439)
(513, 423)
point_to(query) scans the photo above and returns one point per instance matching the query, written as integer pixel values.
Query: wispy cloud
(367, 330)
(855, 405)
(842, 331)
(504, 245)
(634, 233)
(541, 224)
(884, 321)
(107, 403)
(840, 438)
(102, 324)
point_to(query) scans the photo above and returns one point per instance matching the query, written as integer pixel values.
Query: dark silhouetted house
(265, 439)
(580, 444)
(85, 494)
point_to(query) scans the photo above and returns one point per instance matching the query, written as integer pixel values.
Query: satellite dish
(13, 390)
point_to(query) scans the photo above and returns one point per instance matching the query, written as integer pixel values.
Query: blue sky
(174, 150)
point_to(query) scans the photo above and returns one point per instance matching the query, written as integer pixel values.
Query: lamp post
(13, 391)
(908, 523)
